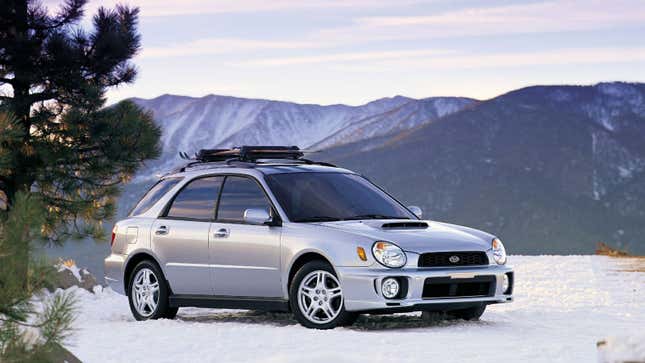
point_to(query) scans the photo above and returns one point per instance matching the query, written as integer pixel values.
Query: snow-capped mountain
(550, 169)
(404, 117)
(189, 124)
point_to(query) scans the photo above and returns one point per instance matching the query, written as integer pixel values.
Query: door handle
(221, 233)
(161, 230)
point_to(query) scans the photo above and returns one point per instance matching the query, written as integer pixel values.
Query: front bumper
(362, 287)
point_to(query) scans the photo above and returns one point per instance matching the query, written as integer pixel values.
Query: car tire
(148, 293)
(473, 313)
(327, 311)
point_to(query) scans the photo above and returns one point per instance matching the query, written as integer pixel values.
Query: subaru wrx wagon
(264, 228)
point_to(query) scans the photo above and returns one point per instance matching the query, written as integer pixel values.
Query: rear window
(154, 194)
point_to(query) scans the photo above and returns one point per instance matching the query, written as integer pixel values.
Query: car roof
(256, 169)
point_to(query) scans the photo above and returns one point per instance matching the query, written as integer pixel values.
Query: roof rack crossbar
(250, 155)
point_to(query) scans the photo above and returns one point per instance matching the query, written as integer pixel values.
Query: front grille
(446, 287)
(442, 259)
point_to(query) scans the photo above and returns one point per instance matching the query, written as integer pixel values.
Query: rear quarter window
(154, 194)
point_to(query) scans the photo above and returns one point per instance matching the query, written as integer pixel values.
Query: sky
(355, 51)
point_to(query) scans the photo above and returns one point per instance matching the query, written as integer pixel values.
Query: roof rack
(249, 156)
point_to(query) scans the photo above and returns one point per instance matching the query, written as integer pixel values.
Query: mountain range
(549, 169)
(213, 121)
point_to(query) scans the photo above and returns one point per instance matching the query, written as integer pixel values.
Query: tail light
(113, 236)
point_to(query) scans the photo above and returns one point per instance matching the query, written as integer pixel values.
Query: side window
(238, 195)
(197, 199)
(154, 194)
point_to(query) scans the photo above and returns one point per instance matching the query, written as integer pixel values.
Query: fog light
(390, 288)
(505, 283)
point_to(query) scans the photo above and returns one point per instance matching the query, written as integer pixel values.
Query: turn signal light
(361, 253)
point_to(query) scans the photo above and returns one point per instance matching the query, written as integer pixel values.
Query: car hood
(436, 237)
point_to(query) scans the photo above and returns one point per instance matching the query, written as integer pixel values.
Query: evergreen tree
(29, 332)
(63, 154)
(63, 143)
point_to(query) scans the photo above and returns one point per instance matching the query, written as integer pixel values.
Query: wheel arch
(132, 263)
(304, 258)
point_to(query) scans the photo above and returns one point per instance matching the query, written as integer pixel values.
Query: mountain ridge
(562, 164)
(213, 121)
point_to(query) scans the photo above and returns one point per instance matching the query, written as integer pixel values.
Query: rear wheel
(316, 297)
(473, 313)
(148, 293)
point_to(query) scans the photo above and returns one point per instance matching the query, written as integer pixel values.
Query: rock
(67, 277)
(62, 355)
(88, 280)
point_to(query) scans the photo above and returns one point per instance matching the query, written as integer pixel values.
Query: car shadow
(244, 317)
(363, 323)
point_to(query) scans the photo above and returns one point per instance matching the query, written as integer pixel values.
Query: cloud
(212, 46)
(346, 57)
(156, 8)
(446, 59)
(565, 57)
(552, 16)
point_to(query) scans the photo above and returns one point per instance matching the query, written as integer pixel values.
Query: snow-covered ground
(564, 305)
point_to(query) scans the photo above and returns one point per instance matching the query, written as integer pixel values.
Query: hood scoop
(405, 225)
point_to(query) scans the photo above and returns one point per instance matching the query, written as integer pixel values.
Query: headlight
(389, 254)
(499, 252)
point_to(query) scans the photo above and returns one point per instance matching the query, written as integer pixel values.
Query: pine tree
(62, 142)
(29, 333)
(63, 154)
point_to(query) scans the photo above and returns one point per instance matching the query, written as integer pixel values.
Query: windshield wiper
(317, 219)
(372, 216)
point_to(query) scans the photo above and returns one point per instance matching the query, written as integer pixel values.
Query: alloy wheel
(145, 292)
(320, 297)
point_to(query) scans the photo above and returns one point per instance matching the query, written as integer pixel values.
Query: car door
(245, 258)
(180, 236)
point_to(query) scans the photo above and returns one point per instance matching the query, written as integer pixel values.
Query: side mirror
(256, 216)
(416, 210)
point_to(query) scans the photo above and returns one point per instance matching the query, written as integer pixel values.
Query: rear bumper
(362, 288)
(114, 265)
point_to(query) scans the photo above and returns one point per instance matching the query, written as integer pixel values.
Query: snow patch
(73, 269)
(621, 349)
(563, 306)
(624, 172)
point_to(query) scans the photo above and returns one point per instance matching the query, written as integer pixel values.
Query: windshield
(315, 197)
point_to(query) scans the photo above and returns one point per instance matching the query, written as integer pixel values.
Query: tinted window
(310, 197)
(197, 200)
(154, 194)
(238, 195)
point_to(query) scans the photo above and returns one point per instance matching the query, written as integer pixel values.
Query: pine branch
(71, 12)
(42, 96)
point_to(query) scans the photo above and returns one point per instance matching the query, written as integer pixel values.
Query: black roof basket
(249, 155)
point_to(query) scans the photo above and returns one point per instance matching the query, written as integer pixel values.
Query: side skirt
(229, 302)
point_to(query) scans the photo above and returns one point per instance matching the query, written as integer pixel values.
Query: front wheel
(316, 297)
(148, 293)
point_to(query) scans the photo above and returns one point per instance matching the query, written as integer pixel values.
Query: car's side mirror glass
(257, 216)
(416, 210)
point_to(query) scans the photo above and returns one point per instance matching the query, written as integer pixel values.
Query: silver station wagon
(259, 227)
